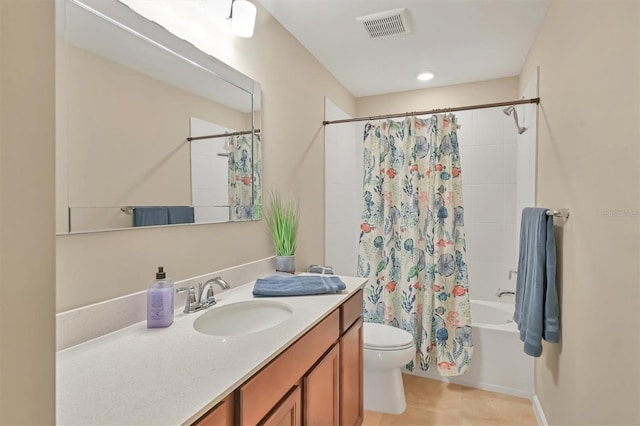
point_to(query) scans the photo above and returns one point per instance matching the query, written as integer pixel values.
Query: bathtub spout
(501, 292)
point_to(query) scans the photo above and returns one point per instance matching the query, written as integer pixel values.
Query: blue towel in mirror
(297, 285)
(150, 216)
(180, 214)
(162, 215)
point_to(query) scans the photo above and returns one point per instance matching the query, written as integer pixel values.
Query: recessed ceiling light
(424, 76)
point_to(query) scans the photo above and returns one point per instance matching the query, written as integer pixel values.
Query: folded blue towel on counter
(297, 285)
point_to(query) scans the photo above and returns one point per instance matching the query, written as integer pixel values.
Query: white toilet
(386, 350)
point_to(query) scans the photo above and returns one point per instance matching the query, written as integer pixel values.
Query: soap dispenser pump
(160, 301)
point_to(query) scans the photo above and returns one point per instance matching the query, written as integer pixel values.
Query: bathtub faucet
(501, 292)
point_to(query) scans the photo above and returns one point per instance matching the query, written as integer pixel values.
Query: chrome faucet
(205, 297)
(218, 280)
(501, 292)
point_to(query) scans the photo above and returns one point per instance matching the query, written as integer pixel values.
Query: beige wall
(499, 90)
(99, 266)
(27, 250)
(125, 147)
(588, 160)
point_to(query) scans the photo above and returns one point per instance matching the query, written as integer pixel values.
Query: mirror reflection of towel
(181, 214)
(162, 215)
(150, 216)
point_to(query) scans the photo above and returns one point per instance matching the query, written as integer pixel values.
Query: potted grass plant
(282, 217)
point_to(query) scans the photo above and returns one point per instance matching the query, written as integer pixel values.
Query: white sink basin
(242, 317)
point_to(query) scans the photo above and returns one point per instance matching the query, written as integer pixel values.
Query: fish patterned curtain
(412, 242)
(245, 201)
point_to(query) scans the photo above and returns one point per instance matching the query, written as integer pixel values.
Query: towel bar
(563, 213)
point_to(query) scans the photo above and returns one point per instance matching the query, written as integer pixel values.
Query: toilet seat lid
(385, 337)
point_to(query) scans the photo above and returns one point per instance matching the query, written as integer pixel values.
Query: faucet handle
(191, 303)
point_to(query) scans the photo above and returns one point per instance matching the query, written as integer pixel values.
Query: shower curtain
(412, 243)
(244, 178)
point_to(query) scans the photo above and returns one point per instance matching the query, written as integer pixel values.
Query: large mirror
(150, 130)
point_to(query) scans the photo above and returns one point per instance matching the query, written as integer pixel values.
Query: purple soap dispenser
(160, 301)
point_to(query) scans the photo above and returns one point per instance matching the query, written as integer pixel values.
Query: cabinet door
(288, 412)
(351, 376)
(321, 391)
(262, 392)
(220, 415)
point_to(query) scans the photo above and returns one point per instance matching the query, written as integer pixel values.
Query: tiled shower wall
(488, 154)
(487, 139)
(209, 173)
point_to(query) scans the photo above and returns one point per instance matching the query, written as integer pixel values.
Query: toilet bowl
(386, 350)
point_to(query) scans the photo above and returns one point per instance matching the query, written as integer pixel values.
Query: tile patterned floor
(431, 402)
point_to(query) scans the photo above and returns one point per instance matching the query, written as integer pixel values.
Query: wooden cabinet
(288, 412)
(220, 415)
(315, 381)
(351, 361)
(321, 391)
(350, 311)
(351, 376)
(258, 395)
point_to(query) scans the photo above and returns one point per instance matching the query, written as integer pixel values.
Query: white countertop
(169, 376)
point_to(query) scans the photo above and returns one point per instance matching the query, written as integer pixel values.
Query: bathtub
(499, 363)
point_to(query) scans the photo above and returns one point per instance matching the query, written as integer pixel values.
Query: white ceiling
(459, 41)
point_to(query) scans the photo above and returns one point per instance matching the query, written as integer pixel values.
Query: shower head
(508, 110)
(511, 110)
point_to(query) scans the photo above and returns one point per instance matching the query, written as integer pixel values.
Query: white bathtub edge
(538, 411)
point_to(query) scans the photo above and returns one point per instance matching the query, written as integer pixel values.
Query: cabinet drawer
(350, 311)
(263, 391)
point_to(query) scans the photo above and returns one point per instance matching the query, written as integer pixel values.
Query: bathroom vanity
(317, 380)
(305, 370)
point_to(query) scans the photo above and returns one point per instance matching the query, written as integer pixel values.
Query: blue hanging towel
(297, 285)
(536, 311)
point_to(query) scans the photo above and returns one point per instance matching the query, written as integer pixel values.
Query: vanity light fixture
(243, 18)
(425, 76)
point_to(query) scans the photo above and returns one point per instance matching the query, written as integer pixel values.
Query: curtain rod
(435, 111)
(223, 135)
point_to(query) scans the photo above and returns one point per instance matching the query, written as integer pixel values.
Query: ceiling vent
(386, 24)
